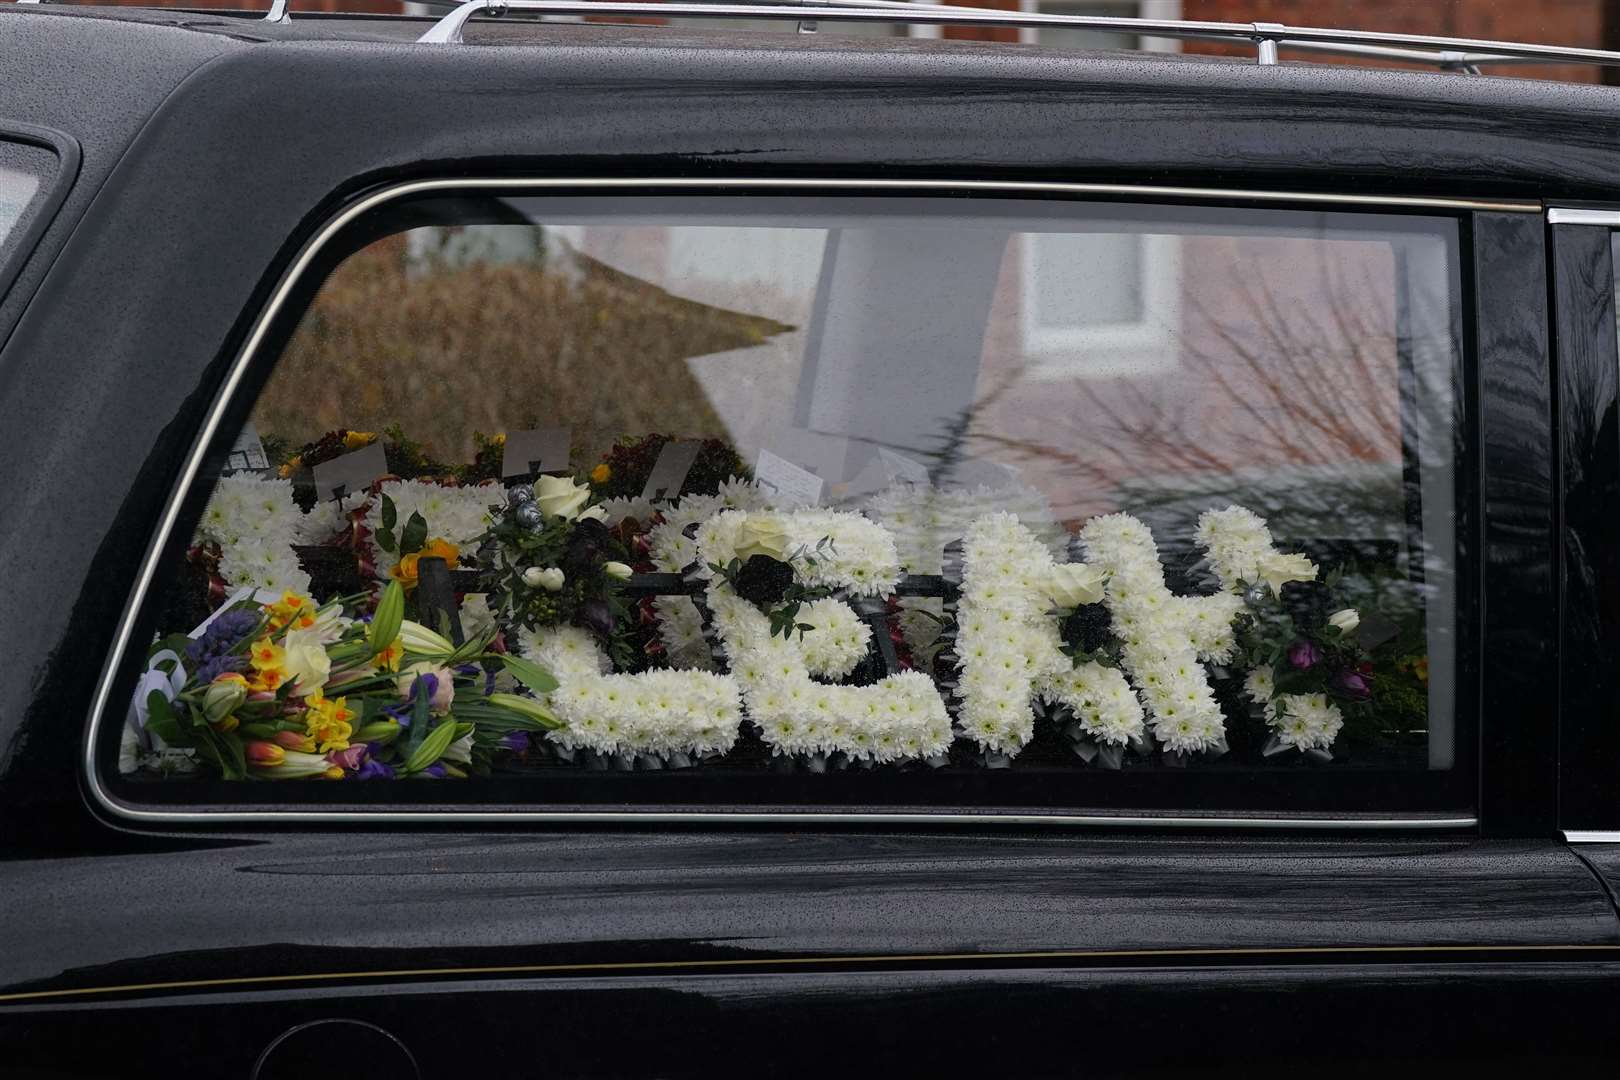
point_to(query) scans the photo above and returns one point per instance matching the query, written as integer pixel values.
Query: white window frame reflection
(1105, 349)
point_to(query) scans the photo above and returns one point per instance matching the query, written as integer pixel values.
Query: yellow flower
(291, 466)
(499, 440)
(266, 655)
(354, 440)
(405, 570)
(291, 607)
(392, 654)
(1420, 668)
(329, 723)
(601, 474)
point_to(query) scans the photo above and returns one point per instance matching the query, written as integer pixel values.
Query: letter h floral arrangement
(613, 630)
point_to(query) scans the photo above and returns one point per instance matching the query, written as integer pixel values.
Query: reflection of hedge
(497, 346)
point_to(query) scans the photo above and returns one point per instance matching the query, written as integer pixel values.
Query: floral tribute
(1302, 650)
(276, 688)
(775, 655)
(1010, 647)
(598, 627)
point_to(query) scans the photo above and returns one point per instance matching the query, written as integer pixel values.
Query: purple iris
(1304, 655)
(436, 770)
(425, 686)
(516, 741)
(375, 770)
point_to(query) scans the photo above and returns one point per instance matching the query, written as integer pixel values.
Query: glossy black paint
(800, 931)
(1588, 359)
(1484, 1020)
(1518, 694)
(210, 155)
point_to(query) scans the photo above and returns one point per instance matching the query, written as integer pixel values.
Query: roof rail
(1446, 52)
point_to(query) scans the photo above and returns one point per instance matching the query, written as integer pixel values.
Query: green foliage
(386, 621)
(432, 747)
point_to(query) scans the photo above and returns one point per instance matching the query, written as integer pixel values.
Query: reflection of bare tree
(1306, 408)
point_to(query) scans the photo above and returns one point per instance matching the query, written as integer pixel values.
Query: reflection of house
(1254, 343)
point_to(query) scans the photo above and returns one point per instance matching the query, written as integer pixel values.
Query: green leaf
(530, 674)
(432, 748)
(415, 534)
(233, 756)
(385, 623)
(169, 730)
(385, 540)
(421, 711)
(390, 513)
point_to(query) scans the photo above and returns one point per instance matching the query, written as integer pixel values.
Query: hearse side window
(778, 501)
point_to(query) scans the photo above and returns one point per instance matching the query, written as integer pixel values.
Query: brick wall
(1584, 23)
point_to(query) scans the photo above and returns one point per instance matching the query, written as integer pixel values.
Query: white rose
(617, 570)
(1073, 584)
(559, 496)
(762, 534)
(1278, 570)
(595, 513)
(307, 663)
(1346, 620)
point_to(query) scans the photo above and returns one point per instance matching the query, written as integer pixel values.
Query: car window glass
(882, 500)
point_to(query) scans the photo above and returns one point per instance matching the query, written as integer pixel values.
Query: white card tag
(790, 487)
(247, 453)
(541, 450)
(903, 470)
(350, 473)
(669, 471)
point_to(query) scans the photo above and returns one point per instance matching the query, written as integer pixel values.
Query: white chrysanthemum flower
(255, 522)
(1010, 653)
(457, 514)
(1307, 721)
(1165, 637)
(659, 712)
(902, 716)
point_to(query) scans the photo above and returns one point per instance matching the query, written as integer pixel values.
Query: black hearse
(552, 548)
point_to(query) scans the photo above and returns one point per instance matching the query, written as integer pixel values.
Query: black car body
(195, 157)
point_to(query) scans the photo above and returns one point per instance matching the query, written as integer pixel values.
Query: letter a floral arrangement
(595, 628)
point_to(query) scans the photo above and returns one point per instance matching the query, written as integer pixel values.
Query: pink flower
(352, 758)
(1304, 655)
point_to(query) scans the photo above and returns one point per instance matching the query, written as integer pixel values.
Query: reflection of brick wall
(1583, 23)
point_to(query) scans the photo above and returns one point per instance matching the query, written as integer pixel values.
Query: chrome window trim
(1592, 836)
(1567, 215)
(104, 799)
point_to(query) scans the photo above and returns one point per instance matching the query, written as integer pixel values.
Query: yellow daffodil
(391, 655)
(328, 723)
(354, 440)
(291, 466)
(601, 474)
(291, 608)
